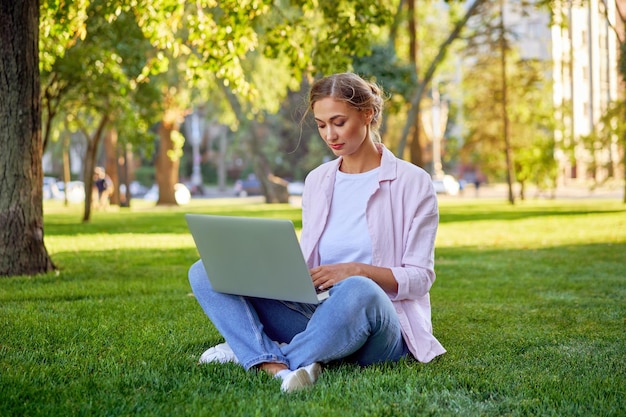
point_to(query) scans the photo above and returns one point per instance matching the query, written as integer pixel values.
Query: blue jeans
(357, 323)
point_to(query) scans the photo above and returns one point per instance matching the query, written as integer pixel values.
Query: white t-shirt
(346, 237)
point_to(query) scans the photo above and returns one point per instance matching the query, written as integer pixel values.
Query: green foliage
(324, 36)
(61, 24)
(607, 136)
(612, 125)
(145, 175)
(528, 301)
(530, 113)
(102, 74)
(386, 69)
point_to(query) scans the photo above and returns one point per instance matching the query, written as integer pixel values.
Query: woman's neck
(367, 159)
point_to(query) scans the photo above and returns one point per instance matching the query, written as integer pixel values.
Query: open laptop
(253, 257)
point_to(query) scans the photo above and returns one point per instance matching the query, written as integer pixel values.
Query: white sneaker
(301, 378)
(296, 380)
(221, 353)
(314, 370)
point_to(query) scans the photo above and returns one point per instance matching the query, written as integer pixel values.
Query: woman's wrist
(360, 270)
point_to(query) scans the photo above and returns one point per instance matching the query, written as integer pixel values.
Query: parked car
(446, 185)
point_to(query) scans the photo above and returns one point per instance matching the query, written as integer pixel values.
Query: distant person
(104, 188)
(369, 222)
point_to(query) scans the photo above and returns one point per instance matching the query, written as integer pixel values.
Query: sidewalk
(500, 190)
(574, 191)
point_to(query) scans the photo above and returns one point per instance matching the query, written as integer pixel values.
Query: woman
(369, 222)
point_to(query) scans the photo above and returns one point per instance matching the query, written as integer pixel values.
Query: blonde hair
(353, 90)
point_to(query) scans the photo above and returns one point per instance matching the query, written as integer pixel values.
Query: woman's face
(343, 128)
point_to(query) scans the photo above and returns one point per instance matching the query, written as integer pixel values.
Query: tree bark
(415, 146)
(166, 165)
(111, 163)
(510, 175)
(90, 164)
(22, 249)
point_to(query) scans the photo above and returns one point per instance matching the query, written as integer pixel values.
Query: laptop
(253, 257)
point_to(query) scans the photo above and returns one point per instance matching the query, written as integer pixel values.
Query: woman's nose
(330, 133)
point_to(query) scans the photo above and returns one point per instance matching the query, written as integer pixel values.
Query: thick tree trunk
(22, 249)
(166, 165)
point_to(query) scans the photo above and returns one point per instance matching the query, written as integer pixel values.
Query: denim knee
(361, 290)
(197, 275)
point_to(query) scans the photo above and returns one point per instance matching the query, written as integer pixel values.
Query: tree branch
(421, 87)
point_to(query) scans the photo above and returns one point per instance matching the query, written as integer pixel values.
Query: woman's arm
(325, 276)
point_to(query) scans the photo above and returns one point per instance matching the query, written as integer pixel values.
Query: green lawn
(530, 302)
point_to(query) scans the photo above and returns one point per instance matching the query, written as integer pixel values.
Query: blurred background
(176, 100)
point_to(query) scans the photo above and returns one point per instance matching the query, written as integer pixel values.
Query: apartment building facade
(580, 39)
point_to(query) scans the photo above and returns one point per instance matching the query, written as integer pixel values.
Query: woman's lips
(336, 146)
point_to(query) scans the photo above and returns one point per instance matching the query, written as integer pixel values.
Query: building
(580, 40)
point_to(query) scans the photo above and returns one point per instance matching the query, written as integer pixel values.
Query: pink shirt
(402, 218)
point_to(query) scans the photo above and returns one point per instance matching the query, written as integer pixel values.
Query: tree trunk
(110, 164)
(166, 165)
(66, 165)
(415, 146)
(123, 170)
(624, 160)
(90, 164)
(22, 249)
(510, 175)
(274, 188)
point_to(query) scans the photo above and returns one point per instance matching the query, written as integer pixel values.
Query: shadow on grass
(463, 273)
(497, 211)
(528, 332)
(507, 275)
(173, 221)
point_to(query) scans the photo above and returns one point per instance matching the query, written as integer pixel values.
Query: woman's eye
(340, 124)
(320, 126)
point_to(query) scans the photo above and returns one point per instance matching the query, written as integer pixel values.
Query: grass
(530, 302)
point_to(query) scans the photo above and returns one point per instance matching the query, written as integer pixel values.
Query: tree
(22, 248)
(106, 73)
(61, 25)
(214, 38)
(530, 113)
(506, 126)
(292, 40)
(420, 89)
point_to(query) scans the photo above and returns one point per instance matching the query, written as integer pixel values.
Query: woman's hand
(325, 276)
